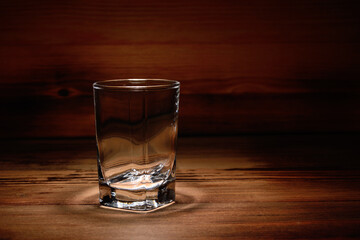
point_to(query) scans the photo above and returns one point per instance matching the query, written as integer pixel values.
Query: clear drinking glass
(136, 132)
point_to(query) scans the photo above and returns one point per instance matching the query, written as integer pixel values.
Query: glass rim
(125, 84)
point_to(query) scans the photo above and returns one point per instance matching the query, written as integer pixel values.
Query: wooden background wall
(252, 66)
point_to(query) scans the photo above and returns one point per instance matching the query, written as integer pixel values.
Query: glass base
(139, 200)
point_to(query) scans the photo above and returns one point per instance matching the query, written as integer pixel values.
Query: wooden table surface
(248, 187)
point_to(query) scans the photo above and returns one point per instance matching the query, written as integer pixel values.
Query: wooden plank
(259, 152)
(193, 186)
(202, 68)
(91, 22)
(251, 187)
(73, 116)
(191, 221)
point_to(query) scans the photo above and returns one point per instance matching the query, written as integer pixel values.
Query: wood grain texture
(199, 114)
(279, 66)
(251, 187)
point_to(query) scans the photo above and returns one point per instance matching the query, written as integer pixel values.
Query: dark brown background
(245, 66)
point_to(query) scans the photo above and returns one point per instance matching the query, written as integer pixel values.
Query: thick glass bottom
(143, 200)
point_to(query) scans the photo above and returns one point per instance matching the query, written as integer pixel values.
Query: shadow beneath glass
(89, 209)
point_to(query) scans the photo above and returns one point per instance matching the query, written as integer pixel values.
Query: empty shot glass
(136, 133)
